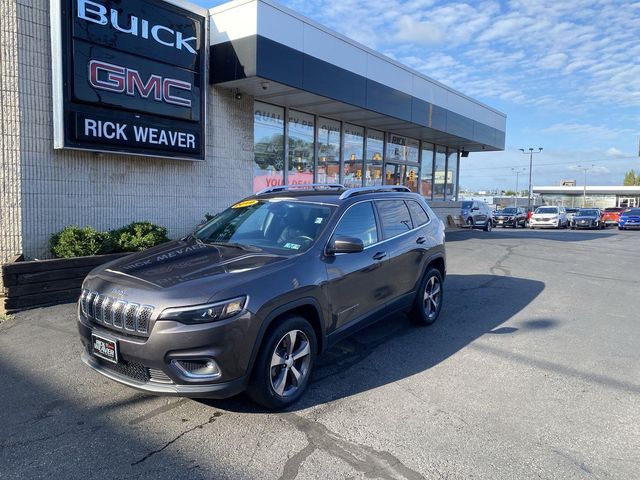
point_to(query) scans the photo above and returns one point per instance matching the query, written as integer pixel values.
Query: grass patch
(5, 317)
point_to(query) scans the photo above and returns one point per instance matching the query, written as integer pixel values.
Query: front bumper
(542, 224)
(148, 364)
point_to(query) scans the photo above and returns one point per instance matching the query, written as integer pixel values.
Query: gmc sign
(129, 77)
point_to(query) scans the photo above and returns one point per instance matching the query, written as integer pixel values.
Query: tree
(510, 193)
(631, 179)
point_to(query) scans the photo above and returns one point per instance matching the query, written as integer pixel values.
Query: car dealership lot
(531, 372)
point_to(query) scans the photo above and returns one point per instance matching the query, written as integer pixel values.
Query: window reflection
(353, 156)
(301, 147)
(426, 172)
(328, 151)
(268, 146)
(439, 173)
(452, 174)
(373, 158)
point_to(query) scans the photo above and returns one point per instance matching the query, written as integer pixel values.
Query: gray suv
(250, 299)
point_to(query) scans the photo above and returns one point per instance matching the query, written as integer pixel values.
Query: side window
(360, 222)
(394, 217)
(418, 214)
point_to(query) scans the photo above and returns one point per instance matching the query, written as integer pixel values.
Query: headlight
(211, 312)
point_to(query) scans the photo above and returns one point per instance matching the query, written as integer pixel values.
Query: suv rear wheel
(488, 226)
(284, 365)
(428, 302)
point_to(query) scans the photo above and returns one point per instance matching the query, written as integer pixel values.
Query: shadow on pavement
(394, 348)
(522, 234)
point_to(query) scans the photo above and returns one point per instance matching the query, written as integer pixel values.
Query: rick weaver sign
(129, 77)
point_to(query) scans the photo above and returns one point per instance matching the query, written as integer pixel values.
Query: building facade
(285, 101)
(589, 196)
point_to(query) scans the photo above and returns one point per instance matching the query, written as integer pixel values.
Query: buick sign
(129, 77)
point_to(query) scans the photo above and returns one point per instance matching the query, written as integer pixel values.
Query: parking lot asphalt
(532, 371)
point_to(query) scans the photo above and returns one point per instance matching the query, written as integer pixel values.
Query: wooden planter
(41, 283)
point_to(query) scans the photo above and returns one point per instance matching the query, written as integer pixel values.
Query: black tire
(469, 222)
(488, 226)
(261, 387)
(419, 313)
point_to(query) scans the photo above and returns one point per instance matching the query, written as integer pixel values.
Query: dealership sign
(129, 77)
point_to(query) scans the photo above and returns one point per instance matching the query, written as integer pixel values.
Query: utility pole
(584, 187)
(518, 172)
(530, 153)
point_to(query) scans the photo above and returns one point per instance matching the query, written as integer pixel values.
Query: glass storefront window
(402, 149)
(411, 178)
(328, 151)
(394, 173)
(301, 147)
(268, 146)
(373, 158)
(452, 174)
(426, 172)
(439, 173)
(352, 156)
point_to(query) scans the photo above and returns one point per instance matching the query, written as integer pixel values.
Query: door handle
(421, 240)
(379, 255)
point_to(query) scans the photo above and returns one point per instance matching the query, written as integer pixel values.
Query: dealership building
(116, 111)
(590, 196)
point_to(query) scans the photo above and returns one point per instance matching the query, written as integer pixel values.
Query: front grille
(135, 371)
(117, 314)
(159, 376)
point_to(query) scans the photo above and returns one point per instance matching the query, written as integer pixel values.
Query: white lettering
(153, 135)
(98, 12)
(154, 33)
(90, 126)
(191, 140)
(140, 133)
(163, 138)
(184, 42)
(120, 134)
(133, 26)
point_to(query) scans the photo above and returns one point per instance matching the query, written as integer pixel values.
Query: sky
(565, 72)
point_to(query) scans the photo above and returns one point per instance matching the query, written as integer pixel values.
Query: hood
(182, 261)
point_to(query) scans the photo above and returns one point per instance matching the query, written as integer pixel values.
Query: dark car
(511, 217)
(249, 300)
(477, 214)
(587, 218)
(629, 219)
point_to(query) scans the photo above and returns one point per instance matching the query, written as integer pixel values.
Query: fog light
(198, 368)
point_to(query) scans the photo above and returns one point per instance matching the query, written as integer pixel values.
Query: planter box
(42, 283)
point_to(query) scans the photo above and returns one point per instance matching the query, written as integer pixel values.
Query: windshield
(467, 205)
(588, 213)
(613, 210)
(633, 211)
(509, 211)
(547, 210)
(285, 226)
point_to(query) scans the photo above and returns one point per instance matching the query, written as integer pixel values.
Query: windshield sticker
(246, 203)
(292, 246)
(319, 220)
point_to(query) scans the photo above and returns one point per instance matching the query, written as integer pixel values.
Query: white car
(549, 217)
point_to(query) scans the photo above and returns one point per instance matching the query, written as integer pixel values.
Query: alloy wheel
(432, 295)
(290, 363)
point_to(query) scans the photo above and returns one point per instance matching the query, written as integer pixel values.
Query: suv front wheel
(284, 365)
(428, 302)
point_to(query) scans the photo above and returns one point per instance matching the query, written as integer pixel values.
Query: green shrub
(77, 241)
(139, 236)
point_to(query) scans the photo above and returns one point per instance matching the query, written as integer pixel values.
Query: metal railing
(373, 189)
(301, 186)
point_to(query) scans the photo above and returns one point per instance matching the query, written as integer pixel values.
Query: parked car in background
(249, 300)
(571, 212)
(549, 217)
(477, 214)
(629, 219)
(611, 215)
(587, 218)
(511, 217)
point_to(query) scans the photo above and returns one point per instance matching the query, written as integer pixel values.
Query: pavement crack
(364, 459)
(175, 439)
(498, 266)
(158, 411)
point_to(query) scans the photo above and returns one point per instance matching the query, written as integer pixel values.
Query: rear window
(394, 217)
(467, 205)
(418, 214)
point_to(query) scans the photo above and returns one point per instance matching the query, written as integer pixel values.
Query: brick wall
(10, 123)
(64, 187)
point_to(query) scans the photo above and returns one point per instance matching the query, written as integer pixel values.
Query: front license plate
(104, 348)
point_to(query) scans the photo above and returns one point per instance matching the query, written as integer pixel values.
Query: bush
(77, 241)
(139, 236)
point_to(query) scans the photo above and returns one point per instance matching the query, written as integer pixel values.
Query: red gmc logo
(117, 79)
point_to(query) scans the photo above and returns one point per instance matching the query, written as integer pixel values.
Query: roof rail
(378, 188)
(315, 186)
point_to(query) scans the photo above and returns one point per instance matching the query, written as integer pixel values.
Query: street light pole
(584, 187)
(530, 153)
(518, 172)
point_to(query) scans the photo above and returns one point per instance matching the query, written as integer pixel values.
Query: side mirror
(345, 245)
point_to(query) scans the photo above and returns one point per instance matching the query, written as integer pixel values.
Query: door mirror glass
(343, 244)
